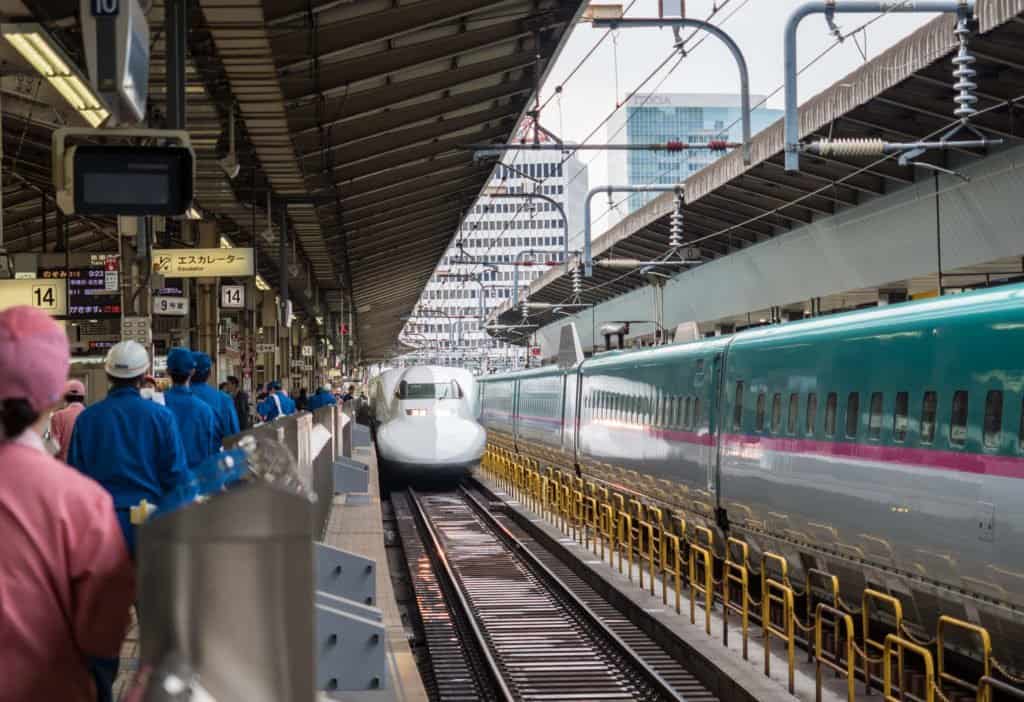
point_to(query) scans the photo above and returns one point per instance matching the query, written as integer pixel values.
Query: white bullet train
(424, 424)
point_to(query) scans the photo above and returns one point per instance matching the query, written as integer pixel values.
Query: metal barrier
(850, 670)
(735, 573)
(983, 694)
(671, 552)
(647, 550)
(894, 642)
(812, 575)
(624, 541)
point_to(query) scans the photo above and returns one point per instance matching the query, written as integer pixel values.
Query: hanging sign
(204, 263)
(266, 348)
(170, 306)
(232, 297)
(51, 296)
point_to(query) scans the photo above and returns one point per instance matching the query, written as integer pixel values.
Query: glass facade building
(693, 118)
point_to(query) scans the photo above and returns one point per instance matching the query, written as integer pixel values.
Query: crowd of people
(71, 475)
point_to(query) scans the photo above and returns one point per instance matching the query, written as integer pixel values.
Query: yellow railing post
(983, 692)
(625, 541)
(674, 556)
(868, 597)
(646, 530)
(703, 555)
(735, 573)
(832, 583)
(894, 642)
(819, 654)
(777, 593)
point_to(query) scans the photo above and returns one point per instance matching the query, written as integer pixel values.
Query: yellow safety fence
(644, 540)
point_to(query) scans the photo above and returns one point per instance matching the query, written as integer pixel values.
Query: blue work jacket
(322, 398)
(223, 409)
(131, 447)
(196, 424)
(268, 408)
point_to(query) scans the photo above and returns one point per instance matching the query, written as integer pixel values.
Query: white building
(447, 326)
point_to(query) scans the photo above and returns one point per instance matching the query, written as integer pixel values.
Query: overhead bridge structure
(768, 238)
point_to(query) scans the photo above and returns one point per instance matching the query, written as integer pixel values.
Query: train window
(794, 413)
(900, 420)
(811, 422)
(737, 409)
(958, 419)
(993, 418)
(759, 426)
(929, 408)
(875, 421)
(696, 412)
(830, 414)
(776, 413)
(852, 414)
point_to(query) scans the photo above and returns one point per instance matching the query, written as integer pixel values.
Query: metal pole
(829, 8)
(680, 22)
(588, 260)
(175, 34)
(282, 210)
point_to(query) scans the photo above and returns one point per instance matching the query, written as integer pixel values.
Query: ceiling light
(261, 284)
(225, 243)
(38, 48)
(193, 213)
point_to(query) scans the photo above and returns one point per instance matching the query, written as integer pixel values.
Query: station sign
(170, 306)
(266, 348)
(232, 297)
(51, 296)
(204, 263)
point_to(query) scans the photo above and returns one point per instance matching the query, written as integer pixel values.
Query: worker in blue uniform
(129, 445)
(220, 402)
(323, 398)
(196, 422)
(277, 404)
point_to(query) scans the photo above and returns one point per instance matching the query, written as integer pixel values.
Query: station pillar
(207, 309)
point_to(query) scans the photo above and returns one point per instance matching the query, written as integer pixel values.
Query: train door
(714, 389)
(569, 408)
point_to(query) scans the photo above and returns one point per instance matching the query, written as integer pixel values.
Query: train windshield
(429, 391)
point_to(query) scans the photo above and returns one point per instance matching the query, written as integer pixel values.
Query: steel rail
(652, 677)
(438, 553)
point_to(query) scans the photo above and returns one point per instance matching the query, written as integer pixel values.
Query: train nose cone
(432, 439)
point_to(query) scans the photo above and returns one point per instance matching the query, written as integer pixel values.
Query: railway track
(513, 622)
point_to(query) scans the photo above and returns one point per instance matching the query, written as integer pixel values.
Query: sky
(590, 95)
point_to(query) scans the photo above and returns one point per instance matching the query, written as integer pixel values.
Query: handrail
(735, 572)
(894, 642)
(868, 597)
(850, 671)
(945, 621)
(776, 592)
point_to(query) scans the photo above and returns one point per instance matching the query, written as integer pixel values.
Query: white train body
(424, 421)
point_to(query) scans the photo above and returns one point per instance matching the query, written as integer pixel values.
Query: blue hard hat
(203, 362)
(180, 361)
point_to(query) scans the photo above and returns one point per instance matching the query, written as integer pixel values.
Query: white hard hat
(127, 359)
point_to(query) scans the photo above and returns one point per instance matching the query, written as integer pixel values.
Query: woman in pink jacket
(63, 421)
(66, 582)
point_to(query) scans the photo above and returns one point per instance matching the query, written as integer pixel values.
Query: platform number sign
(232, 297)
(105, 8)
(45, 297)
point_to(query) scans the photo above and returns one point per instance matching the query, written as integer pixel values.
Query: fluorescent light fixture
(193, 213)
(225, 243)
(38, 48)
(261, 284)
(320, 321)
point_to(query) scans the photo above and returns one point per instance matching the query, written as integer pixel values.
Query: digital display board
(93, 291)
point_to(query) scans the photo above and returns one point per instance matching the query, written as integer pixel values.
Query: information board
(170, 306)
(93, 291)
(48, 295)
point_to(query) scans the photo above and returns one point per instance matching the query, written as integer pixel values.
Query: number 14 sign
(232, 297)
(51, 296)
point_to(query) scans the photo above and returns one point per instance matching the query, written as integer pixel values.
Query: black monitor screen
(130, 189)
(132, 180)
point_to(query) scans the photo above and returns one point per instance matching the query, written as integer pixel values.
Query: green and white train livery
(885, 446)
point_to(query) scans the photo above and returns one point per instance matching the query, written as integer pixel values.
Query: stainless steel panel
(228, 584)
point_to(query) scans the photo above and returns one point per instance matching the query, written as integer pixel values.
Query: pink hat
(75, 387)
(34, 357)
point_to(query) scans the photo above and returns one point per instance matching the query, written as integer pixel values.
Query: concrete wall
(890, 238)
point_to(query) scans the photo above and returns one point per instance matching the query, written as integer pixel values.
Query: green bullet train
(885, 446)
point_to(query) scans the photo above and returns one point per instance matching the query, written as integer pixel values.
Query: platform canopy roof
(903, 95)
(354, 109)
